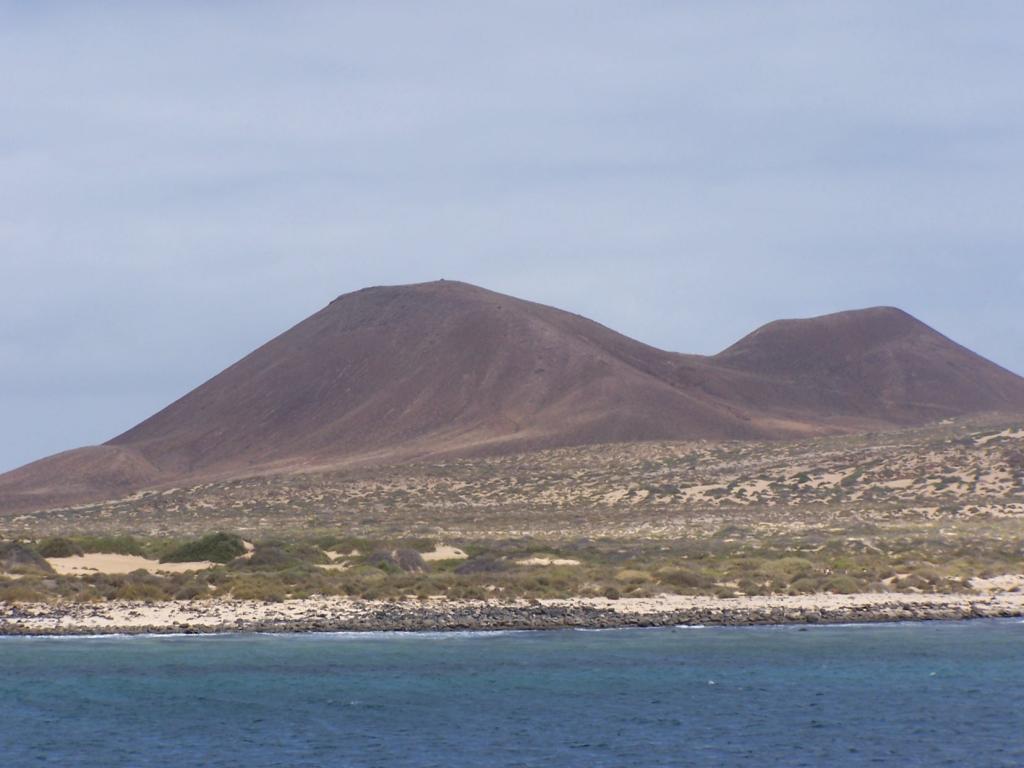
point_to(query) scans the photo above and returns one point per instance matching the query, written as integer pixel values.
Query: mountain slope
(394, 374)
(878, 362)
(426, 369)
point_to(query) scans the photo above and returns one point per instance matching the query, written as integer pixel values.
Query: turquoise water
(903, 695)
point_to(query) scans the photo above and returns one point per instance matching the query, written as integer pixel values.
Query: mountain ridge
(391, 374)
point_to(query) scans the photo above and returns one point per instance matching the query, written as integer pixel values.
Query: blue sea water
(929, 694)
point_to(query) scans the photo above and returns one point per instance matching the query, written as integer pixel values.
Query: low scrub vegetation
(922, 558)
(59, 547)
(215, 548)
(115, 545)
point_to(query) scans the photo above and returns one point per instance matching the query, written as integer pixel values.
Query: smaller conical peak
(867, 326)
(892, 318)
(822, 340)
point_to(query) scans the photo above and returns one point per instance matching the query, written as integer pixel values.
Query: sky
(179, 182)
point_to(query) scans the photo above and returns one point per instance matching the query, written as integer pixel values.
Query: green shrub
(632, 576)
(805, 586)
(266, 590)
(114, 545)
(344, 544)
(750, 587)
(843, 585)
(307, 553)
(140, 585)
(216, 548)
(191, 591)
(268, 557)
(58, 547)
(483, 564)
(140, 592)
(18, 592)
(404, 560)
(929, 575)
(787, 569)
(685, 577)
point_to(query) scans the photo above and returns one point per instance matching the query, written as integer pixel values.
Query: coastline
(336, 614)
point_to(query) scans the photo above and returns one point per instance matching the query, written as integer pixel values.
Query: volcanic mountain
(444, 369)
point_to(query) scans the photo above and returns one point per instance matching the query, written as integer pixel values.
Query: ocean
(924, 694)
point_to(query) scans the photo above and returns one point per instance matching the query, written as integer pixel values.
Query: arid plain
(933, 516)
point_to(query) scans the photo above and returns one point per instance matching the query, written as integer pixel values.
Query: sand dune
(102, 562)
(444, 552)
(547, 560)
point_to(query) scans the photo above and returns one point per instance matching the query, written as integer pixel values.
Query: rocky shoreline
(326, 614)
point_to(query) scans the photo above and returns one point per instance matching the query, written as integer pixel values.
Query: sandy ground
(79, 565)
(1005, 583)
(444, 552)
(329, 613)
(545, 560)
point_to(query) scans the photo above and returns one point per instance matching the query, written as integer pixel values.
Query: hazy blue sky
(181, 181)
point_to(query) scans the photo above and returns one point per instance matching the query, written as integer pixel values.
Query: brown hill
(878, 362)
(394, 374)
